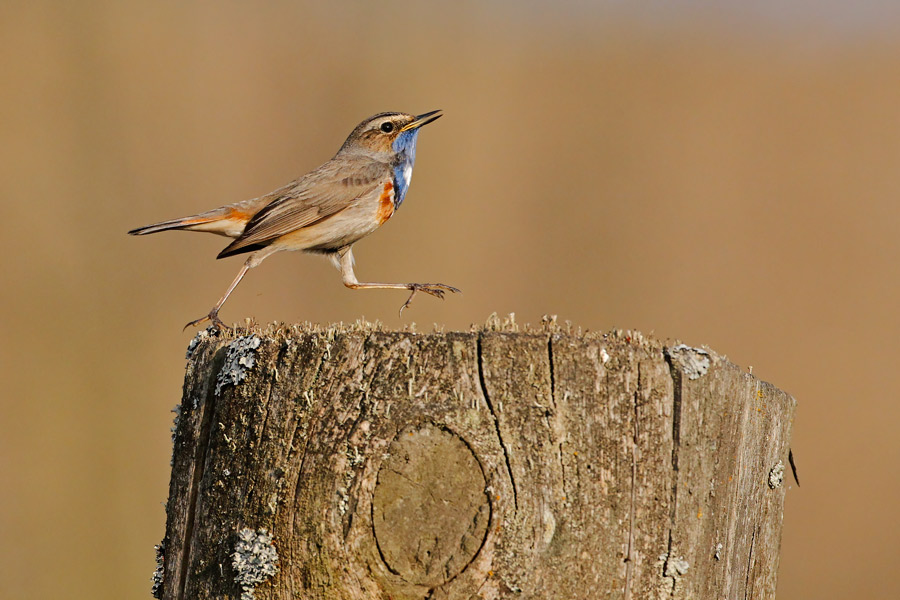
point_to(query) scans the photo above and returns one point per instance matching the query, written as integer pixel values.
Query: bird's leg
(213, 315)
(345, 256)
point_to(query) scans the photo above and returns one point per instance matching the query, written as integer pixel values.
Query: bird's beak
(423, 120)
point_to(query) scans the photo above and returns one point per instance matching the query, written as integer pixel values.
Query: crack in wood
(487, 400)
(629, 558)
(381, 555)
(749, 565)
(556, 415)
(203, 442)
(562, 467)
(677, 381)
(665, 564)
(552, 373)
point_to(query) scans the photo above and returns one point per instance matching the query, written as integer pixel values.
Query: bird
(325, 211)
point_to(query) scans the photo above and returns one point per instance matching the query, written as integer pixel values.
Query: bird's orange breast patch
(385, 203)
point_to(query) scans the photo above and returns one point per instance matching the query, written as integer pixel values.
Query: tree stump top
(350, 461)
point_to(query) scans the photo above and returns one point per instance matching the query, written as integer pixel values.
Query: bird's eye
(387, 127)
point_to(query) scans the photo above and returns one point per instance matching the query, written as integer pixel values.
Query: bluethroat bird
(325, 211)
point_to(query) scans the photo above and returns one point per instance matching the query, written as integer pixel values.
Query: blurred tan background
(725, 176)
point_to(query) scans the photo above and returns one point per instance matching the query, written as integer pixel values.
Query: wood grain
(495, 463)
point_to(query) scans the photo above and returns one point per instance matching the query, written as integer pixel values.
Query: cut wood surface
(354, 462)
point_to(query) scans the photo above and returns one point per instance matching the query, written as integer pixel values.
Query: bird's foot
(434, 289)
(212, 317)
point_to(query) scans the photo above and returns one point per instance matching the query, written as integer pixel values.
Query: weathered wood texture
(488, 464)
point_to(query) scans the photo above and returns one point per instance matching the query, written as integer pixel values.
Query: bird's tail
(182, 223)
(228, 221)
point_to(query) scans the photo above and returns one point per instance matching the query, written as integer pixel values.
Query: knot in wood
(430, 509)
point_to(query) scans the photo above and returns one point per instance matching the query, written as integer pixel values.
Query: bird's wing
(318, 195)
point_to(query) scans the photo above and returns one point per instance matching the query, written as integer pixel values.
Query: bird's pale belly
(341, 229)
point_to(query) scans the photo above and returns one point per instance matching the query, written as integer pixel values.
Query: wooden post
(357, 463)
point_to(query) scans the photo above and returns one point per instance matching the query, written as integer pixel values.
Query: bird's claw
(212, 317)
(434, 289)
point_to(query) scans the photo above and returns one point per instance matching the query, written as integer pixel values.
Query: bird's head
(386, 135)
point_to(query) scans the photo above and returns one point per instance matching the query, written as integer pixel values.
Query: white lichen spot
(344, 502)
(240, 359)
(159, 573)
(676, 567)
(718, 553)
(512, 586)
(254, 560)
(604, 356)
(548, 524)
(176, 410)
(776, 476)
(672, 570)
(354, 457)
(201, 335)
(693, 362)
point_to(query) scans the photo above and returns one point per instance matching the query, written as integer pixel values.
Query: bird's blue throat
(405, 156)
